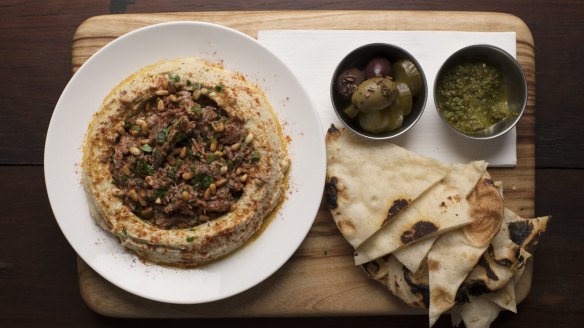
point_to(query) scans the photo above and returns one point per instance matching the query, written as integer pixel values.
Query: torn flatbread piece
(442, 208)
(455, 254)
(480, 312)
(492, 273)
(462, 177)
(505, 297)
(411, 288)
(369, 183)
(518, 239)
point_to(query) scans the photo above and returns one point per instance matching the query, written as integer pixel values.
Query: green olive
(375, 122)
(404, 98)
(405, 71)
(374, 94)
(351, 111)
(396, 118)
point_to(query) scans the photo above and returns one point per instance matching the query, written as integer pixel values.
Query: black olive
(378, 67)
(348, 80)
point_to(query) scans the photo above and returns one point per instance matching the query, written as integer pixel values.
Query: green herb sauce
(471, 96)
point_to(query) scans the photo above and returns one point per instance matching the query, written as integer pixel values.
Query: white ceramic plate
(82, 98)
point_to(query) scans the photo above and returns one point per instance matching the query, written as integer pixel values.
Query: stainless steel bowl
(515, 82)
(359, 58)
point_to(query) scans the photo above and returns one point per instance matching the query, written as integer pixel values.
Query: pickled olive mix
(180, 160)
(471, 96)
(380, 94)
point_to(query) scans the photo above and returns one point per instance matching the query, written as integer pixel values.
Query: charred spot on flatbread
(330, 191)
(532, 245)
(417, 231)
(417, 288)
(396, 207)
(519, 231)
(332, 129)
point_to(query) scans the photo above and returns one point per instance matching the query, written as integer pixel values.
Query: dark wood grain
(38, 277)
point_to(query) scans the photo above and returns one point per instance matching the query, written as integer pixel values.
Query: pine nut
(161, 92)
(164, 84)
(183, 152)
(221, 182)
(117, 192)
(160, 104)
(223, 170)
(285, 164)
(213, 188)
(196, 94)
(133, 194)
(172, 98)
(204, 218)
(187, 176)
(120, 130)
(243, 178)
(249, 138)
(218, 153)
(235, 146)
(218, 127)
(213, 146)
(207, 194)
(158, 201)
(149, 180)
(185, 195)
(126, 170)
(135, 151)
(204, 91)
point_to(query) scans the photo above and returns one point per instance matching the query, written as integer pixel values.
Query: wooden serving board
(320, 279)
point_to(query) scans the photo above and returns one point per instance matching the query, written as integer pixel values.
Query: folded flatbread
(442, 208)
(369, 183)
(493, 273)
(454, 254)
(411, 288)
(462, 177)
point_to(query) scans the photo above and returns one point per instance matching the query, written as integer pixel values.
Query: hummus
(183, 162)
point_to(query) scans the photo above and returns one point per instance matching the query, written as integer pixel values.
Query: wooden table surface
(38, 275)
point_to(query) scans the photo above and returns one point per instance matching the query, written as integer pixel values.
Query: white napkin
(313, 56)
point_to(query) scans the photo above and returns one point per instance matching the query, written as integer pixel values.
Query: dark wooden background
(38, 275)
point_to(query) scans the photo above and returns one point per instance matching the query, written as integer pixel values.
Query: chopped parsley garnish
(255, 156)
(124, 231)
(172, 172)
(127, 125)
(211, 158)
(196, 109)
(159, 193)
(157, 153)
(219, 87)
(174, 78)
(146, 148)
(137, 128)
(189, 83)
(190, 239)
(143, 168)
(230, 165)
(197, 85)
(161, 137)
(202, 181)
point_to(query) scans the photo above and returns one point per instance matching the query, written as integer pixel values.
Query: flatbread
(411, 288)
(454, 254)
(518, 239)
(492, 273)
(369, 183)
(480, 312)
(505, 297)
(442, 208)
(413, 255)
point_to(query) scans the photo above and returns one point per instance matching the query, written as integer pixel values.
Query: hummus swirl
(183, 162)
